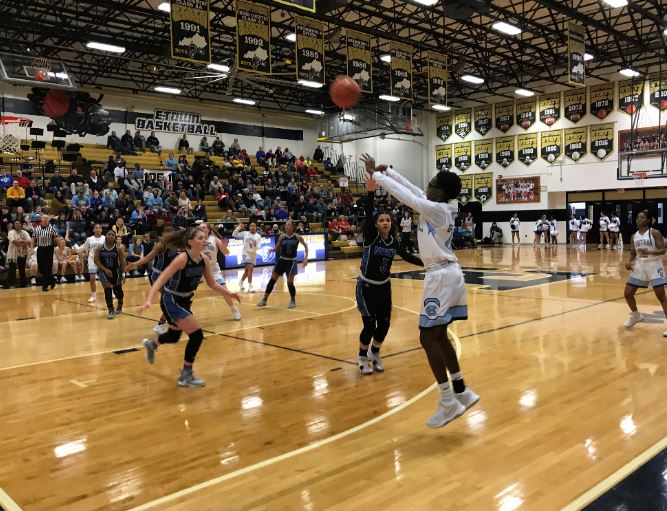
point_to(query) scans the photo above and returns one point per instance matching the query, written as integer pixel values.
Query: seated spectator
(127, 143)
(181, 220)
(183, 164)
(184, 144)
(60, 224)
(340, 227)
(139, 141)
(218, 147)
(214, 186)
(235, 148)
(223, 199)
(122, 232)
(96, 207)
(80, 202)
(74, 180)
(303, 222)
(120, 173)
(153, 143)
(110, 197)
(184, 202)
(171, 203)
(496, 234)
(5, 219)
(36, 216)
(94, 183)
(244, 157)
(282, 213)
(318, 155)
(56, 182)
(133, 187)
(113, 142)
(171, 163)
(24, 181)
(139, 220)
(6, 179)
(203, 145)
(16, 196)
(270, 158)
(229, 218)
(34, 195)
(76, 229)
(155, 203)
(199, 212)
(328, 165)
(261, 156)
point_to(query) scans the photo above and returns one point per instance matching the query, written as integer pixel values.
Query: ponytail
(178, 240)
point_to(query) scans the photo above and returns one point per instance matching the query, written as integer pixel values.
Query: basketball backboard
(35, 71)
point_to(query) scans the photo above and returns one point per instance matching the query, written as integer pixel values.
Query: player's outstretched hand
(371, 184)
(369, 162)
(145, 306)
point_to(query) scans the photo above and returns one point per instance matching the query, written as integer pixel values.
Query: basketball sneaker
(188, 379)
(33, 281)
(364, 365)
(63, 280)
(91, 299)
(376, 361)
(111, 314)
(608, 247)
(447, 411)
(151, 348)
(250, 288)
(119, 310)
(292, 304)
(635, 317)
(241, 288)
(600, 246)
(236, 313)
(160, 328)
(262, 303)
(467, 398)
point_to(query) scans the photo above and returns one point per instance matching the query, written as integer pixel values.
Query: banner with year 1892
(309, 50)
(438, 75)
(483, 119)
(400, 73)
(483, 153)
(360, 59)
(253, 37)
(190, 31)
(483, 186)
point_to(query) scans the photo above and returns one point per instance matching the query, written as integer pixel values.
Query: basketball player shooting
(445, 297)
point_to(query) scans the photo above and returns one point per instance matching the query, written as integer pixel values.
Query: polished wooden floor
(568, 396)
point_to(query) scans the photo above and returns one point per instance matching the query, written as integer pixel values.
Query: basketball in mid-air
(345, 92)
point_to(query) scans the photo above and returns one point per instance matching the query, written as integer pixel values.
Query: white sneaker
(635, 317)
(250, 288)
(236, 313)
(364, 365)
(600, 246)
(446, 412)
(160, 328)
(467, 398)
(241, 288)
(63, 280)
(375, 359)
(91, 299)
(608, 247)
(33, 281)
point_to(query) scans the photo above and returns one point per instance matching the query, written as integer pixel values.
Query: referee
(45, 241)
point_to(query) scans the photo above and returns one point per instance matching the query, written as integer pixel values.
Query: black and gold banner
(360, 59)
(438, 75)
(483, 153)
(602, 99)
(466, 189)
(504, 115)
(443, 156)
(443, 124)
(552, 145)
(253, 37)
(527, 148)
(483, 119)
(462, 155)
(400, 73)
(309, 50)
(574, 104)
(463, 122)
(630, 96)
(483, 186)
(190, 31)
(305, 5)
(658, 91)
(549, 107)
(526, 112)
(576, 142)
(505, 151)
(602, 140)
(576, 48)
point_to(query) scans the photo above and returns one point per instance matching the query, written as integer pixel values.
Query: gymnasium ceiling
(620, 37)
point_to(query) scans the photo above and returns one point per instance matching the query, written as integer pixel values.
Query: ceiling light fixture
(314, 112)
(385, 58)
(472, 79)
(629, 72)
(524, 92)
(167, 90)
(164, 7)
(427, 3)
(616, 3)
(506, 28)
(218, 67)
(291, 37)
(587, 57)
(387, 97)
(105, 47)
(243, 101)
(308, 83)
(441, 108)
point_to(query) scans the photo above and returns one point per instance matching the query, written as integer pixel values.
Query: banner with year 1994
(253, 37)
(190, 31)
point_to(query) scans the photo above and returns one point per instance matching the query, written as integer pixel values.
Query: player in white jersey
(646, 248)
(541, 227)
(91, 245)
(604, 231)
(514, 228)
(215, 243)
(574, 224)
(614, 229)
(586, 225)
(445, 298)
(252, 240)
(553, 231)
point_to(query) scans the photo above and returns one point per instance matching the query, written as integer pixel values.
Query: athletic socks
(446, 393)
(457, 382)
(375, 348)
(363, 352)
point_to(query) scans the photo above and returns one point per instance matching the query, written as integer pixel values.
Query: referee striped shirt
(44, 236)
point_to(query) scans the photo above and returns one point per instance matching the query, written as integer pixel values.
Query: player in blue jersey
(110, 263)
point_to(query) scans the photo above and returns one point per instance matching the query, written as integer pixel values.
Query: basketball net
(13, 128)
(639, 178)
(41, 67)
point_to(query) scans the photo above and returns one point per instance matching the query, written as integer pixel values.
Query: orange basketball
(345, 92)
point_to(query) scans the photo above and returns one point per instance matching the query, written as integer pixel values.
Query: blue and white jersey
(645, 241)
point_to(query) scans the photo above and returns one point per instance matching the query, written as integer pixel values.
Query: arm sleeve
(409, 257)
(407, 184)
(369, 228)
(433, 210)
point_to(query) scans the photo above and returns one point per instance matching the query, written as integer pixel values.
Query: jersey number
(384, 267)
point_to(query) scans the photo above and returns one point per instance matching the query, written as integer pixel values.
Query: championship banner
(400, 74)
(574, 104)
(483, 186)
(463, 123)
(602, 99)
(462, 155)
(443, 123)
(549, 108)
(190, 31)
(443, 156)
(505, 151)
(305, 5)
(576, 48)
(483, 119)
(576, 142)
(309, 50)
(466, 189)
(552, 145)
(483, 153)
(360, 60)
(602, 140)
(504, 115)
(658, 91)
(630, 96)
(253, 37)
(526, 112)
(527, 152)
(438, 75)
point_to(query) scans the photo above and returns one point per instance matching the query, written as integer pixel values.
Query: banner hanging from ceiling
(576, 49)
(306, 5)
(253, 37)
(483, 121)
(549, 107)
(360, 60)
(527, 148)
(602, 140)
(309, 50)
(462, 155)
(443, 124)
(463, 123)
(466, 189)
(526, 112)
(630, 96)
(504, 115)
(505, 151)
(438, 75)
(574, 104)
(483, 153)
(576, 140)
(602, 99)
(552, 145)
(483, 186)
(658, 91)
(190, 31)
(400, 73)
(443, 156)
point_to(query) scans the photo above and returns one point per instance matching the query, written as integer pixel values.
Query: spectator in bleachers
(74, 180)
(96, 207)
(155, 203)
(184, 202)
(58, 203)
(288, 157)
(181, 221)
(171, 163)
(184, 144)
(282, 213)
(34, 195)
(318, 155)
(94, 182)
(133, 187)
(6, 180)
(260, 155)
(59, 223)
(199, 212)
(270, 158)
(80, 202)
(138, 173)
(153, 143)
(340, 227)
(183, 164)
(214, 186)
(127, 143)
(122, 232)
(204, 145)
(139, 141)
(36, 215)
(76, 229)
(244, 157)
(218, 147)
(139, 220)
(5, 219)
(16, 196)
(171, 203)
(56, 182)
(328, 165)
(229, 218)
(113, 142)
(235, 148)
(110, 197)
(24, 181)
(122, 203)
(300, 164)
(120, 174)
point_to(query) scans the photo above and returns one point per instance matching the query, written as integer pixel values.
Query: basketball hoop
(12, 130)
(41, 67)
(639, 178)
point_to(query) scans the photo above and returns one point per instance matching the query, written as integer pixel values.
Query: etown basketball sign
(175, 122)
